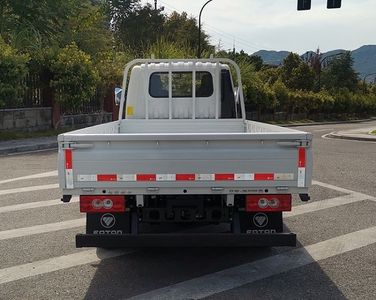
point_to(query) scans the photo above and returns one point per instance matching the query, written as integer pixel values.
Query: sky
(254, 25)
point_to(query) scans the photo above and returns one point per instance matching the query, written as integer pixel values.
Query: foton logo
(108, 220)
(260, 220)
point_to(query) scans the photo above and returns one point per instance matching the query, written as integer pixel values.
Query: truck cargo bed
(185, 156)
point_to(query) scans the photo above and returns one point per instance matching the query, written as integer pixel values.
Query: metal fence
(31, 95)
(94, 105)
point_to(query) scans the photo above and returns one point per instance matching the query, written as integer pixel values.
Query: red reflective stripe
(106, 177)
(68, 159)
(224, 176)
(265, 176)
(185, 177)
(146, 177)
(302, 158)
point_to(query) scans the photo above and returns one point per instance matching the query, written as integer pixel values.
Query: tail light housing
(269, 203)
(102, 204)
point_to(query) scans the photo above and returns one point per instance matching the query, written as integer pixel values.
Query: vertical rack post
(145, 95)
(217, 87)
(169, 91)
(194, 91)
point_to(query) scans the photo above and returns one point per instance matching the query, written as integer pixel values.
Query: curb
(28, 148)
(325, 123)
(351, 137)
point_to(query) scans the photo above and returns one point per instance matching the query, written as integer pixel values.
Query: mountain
(272, 57)
(365, 61)
(364, 58)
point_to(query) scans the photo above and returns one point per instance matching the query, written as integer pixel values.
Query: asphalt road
(335, 258)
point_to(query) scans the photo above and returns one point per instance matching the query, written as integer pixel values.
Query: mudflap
(115, 231)
(260, 222)
(108, 223)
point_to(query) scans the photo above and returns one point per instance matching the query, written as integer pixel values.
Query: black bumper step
(186, 240)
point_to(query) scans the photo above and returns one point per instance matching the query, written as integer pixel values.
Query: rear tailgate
(185, 163)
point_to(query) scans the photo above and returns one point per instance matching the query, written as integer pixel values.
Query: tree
(270, 74)
(38, 20)
(258, 95)
(110, 67)
(303, 78)
(74, 77)
(296, 74)
(88, 29)
(168, 49)
(13, 68)
(291, 62)
(257, 61)
(135, 26)
(117, 12)
(340, 74)
(181, 29)
(282, 95)
(240, 57)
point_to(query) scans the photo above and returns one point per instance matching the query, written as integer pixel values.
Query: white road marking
(324, 204)
(209, 284)
(57, 263)
(231, 278)
(327, 137)
(321, 130)
(297, 210)
(51, 227)
(38, 229)
(38, 204)
(34, 176)
(340, 189)
(29, 189)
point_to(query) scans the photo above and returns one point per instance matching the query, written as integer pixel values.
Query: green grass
(16, 135)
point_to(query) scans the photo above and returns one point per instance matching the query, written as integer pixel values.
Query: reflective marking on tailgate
(188, 177)
(301, 166)
(68, 156)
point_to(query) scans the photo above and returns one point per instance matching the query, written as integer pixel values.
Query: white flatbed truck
(183, 152)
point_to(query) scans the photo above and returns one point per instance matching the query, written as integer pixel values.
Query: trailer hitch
(66, 198)
(304, 197)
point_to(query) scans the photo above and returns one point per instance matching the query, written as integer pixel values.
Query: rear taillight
(102, 203)
(280, 202)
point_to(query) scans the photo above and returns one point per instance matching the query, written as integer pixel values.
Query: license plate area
(108, 223)
(261, 223)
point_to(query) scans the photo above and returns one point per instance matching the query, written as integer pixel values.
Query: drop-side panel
(132, 166)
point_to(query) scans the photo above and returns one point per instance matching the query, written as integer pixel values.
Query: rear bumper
(186, 240)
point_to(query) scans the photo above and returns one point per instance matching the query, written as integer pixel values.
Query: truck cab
(181, 90)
